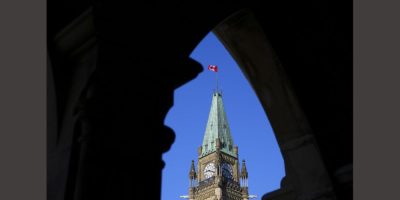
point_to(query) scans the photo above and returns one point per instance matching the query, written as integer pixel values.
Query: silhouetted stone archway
(105, 103)
(306, 175)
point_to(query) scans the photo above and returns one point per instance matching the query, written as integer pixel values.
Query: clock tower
(218, 175)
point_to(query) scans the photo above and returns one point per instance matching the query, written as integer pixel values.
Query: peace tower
(218, 176)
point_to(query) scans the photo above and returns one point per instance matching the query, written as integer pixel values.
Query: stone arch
(245, 39)
(258, 62)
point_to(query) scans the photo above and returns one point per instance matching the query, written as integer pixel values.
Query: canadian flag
(213, 68)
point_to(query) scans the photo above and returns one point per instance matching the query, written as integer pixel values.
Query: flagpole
(216, 78)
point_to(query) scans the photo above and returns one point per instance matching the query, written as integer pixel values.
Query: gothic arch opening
(248, 124)
(246, 42)
(311, 39)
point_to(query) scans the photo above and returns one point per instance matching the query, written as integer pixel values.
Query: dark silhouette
(114, 65)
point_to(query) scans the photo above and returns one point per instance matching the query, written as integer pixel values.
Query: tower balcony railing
(205, 183)
(230, 182)
(210, 181)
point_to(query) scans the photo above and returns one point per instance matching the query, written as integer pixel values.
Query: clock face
(227, 170)
(209, 170)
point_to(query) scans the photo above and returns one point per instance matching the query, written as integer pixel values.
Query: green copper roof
(217, 127)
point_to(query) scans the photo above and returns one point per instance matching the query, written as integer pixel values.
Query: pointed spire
(243, 177)
(217, 134)
(244, 173)
(192, 176)
(192, 172)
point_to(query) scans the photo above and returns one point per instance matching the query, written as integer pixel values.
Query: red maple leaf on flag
(213, 68)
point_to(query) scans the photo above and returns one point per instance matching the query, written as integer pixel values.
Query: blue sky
(249, 124)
